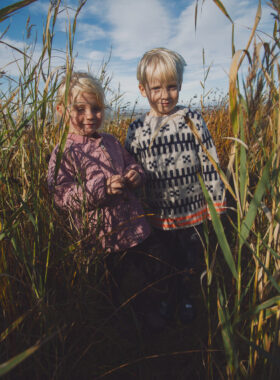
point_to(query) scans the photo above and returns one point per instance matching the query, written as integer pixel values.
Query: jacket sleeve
(131, 152)
(131, 164)
(211, 178)
(72, 187)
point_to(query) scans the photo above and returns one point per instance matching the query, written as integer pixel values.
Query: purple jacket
(114, 221)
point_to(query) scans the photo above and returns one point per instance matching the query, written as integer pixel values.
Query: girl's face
(85, 114)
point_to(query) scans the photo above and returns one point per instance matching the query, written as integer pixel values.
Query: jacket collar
(96, 139)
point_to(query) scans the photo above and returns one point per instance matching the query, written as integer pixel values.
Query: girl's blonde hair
(163, 63)
(80, 82)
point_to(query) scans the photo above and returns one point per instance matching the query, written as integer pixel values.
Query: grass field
(57, 320)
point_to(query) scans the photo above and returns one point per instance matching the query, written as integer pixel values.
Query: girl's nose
(90, 114)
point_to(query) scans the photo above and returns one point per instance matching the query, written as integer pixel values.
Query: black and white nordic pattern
(172, 157)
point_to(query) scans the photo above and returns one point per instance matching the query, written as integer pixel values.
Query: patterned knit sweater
(172, 155)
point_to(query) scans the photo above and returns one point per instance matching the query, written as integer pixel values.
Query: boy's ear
(142, 90)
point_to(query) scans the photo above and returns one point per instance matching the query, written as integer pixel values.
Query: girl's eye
(82, 109)
(96, 109)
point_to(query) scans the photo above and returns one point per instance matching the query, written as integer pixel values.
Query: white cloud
(96, 55)
(40, 7)
(137, 26)
(212, 35)
(132, 27)
(90, 32)
(96, 7)
(11, 58)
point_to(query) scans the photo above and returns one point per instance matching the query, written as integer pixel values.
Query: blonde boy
(172, 155)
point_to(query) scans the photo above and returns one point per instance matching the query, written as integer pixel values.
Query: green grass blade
(7, 11)
(221, 6)
(261, 351)
(255, 202)
(227, 332)
(263, 306)
(218, 227)
(12, 327)
(243, 165)
(16, 360)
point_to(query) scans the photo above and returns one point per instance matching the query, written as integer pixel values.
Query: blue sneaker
(186, 311)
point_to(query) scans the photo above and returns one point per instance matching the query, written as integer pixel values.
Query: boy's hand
(133, 178)
(115, 185)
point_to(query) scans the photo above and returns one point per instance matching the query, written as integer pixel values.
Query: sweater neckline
(180, 111)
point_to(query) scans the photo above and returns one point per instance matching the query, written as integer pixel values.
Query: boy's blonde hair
(81, 82)
(163, 63)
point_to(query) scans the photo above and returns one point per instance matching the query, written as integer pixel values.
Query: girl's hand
(133, 178)
(115, 185)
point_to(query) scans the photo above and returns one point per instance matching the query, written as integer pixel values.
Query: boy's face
(162, 96)
(85, 114)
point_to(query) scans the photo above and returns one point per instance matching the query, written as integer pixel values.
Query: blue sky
(130, 27)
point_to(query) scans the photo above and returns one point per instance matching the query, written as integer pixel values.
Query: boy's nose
(165, 93)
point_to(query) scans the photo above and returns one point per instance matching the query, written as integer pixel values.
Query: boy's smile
(162, 96)
(85, 114)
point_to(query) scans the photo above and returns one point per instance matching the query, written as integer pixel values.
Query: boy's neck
(155, 114)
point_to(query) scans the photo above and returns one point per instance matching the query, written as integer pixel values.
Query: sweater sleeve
(131, 151)
(72, 187)
(211, 178)
(131, 144)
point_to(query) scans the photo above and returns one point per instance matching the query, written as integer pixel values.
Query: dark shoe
(166, 310)
(186, 311)
(154, 321)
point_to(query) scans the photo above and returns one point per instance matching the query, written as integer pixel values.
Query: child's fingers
(133, 177)
(115, 184)
(130, 174)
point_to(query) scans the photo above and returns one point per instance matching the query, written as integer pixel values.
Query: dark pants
(160, 268)
(184, 247)
(185, 256)
(140, 275)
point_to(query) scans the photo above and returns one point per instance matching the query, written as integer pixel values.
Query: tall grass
(56, 317)
(248, 305)
(34, 239)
